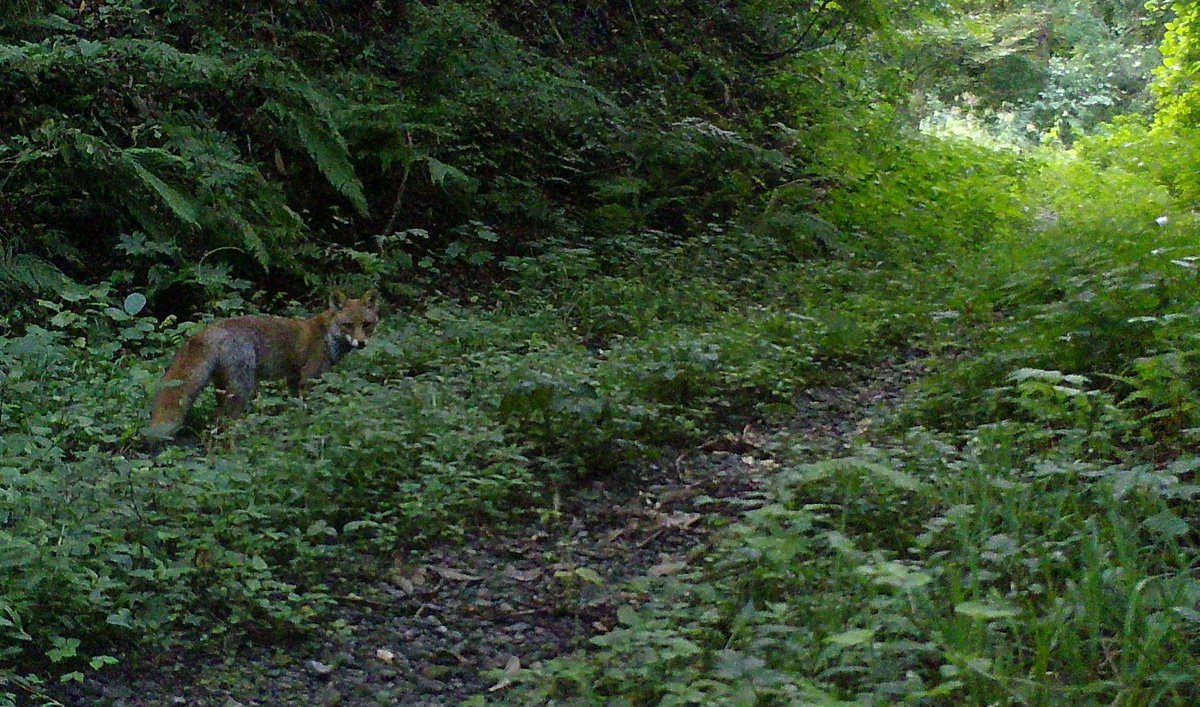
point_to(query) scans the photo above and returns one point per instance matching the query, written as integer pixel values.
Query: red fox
(237, 353)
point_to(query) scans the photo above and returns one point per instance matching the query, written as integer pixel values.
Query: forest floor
(441, 627)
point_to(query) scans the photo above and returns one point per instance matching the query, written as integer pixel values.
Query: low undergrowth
(1023, 530)
(985, 568)
(677, 236)
(458, 416)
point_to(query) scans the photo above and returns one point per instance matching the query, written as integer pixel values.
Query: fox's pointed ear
(337, 299)
(371, 298)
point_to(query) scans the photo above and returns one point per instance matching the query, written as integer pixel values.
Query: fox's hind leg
(236, 383)
(232, 396)
(190, 370)
(233, 393)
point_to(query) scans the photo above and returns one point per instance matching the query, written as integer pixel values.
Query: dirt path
(425, 633)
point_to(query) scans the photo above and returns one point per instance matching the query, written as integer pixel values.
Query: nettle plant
(1064, 414)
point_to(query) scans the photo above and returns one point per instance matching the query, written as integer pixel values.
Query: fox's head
(354, 320)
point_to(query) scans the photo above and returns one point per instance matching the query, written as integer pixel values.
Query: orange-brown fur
(237, 353)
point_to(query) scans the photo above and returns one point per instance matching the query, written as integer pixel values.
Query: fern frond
(29, 272)
(253, 242)
(328, 151)
(165, 56)
(301, 105)
(440, 172)
(182, 206)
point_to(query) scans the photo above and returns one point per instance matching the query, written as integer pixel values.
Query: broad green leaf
(1167, 523)
(986, 610)
(439, 172)
(589, 575)
(134, 303)
(853, 637)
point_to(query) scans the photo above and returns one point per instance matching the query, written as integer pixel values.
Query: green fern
(163, 56)
(440, 173)
(22, 271)
(302, 107)
(327, 149)
(250, 238)
(179, 204)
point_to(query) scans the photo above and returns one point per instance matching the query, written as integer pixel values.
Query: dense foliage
(1035, 71)
(185, 148)
(609, 230)
(614, 166)
(1024, 533)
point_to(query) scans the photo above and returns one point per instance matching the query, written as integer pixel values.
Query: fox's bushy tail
(190, 371)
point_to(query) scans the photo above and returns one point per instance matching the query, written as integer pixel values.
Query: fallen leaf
(680, 494)
(453, 574)
(664, 569)
(679, 519)
(512, 667)
(408, 578)
(522, 575)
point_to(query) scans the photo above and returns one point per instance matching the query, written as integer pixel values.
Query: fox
(239, 352)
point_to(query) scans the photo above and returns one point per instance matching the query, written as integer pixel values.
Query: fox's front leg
(295, 385)
(298, 382)
(308, 371)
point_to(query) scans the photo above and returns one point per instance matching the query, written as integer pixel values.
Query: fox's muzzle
(356, 343)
